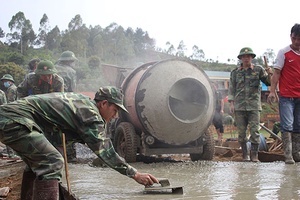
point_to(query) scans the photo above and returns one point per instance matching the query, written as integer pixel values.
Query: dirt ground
(13, 182)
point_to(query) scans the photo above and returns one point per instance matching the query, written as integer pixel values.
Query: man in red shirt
(287, 75)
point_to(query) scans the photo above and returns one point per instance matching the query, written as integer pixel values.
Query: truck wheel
(208, 148)
(125, 141)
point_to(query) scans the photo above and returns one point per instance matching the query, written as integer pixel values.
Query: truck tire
(125, 141)
(208, 148)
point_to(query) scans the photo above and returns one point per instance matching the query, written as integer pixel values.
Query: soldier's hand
(269, 71)
(145, 179)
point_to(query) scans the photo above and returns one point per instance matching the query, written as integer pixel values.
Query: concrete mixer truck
(171, 104)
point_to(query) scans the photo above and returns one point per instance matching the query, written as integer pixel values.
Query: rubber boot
(287, 147)
(45, 190)
(71, 152)
(254, 153)
(27, 185)
(296, 146)
(245, 151)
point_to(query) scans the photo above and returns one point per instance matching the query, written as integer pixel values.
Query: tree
(53, 39)
(22, 31)
(75, 38)
(43, 31)
(198, 54)
(94, 62)
(270, 55)
(142, 41)
(170, 49)
(13, 69)
(2, 34)
(181, 49)
(95, 41)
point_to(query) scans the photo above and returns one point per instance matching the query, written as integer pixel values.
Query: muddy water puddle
(200, 180)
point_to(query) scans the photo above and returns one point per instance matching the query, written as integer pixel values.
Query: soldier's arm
(265, 76)
(22, 89)
(103, 148)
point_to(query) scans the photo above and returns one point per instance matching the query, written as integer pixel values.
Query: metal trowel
(163, 187)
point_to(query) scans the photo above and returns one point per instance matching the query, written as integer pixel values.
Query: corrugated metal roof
(218, 74)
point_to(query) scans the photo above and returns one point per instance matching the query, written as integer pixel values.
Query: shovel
(163, 187)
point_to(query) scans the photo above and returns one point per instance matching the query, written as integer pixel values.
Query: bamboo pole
(66, 162)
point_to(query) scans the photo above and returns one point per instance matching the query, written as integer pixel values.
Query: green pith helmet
(67, 56)
(246, 51)
(45, 67)
(7, 77)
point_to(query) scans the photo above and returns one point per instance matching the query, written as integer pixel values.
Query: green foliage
(16, 58)
(94, 61)
(13, 69)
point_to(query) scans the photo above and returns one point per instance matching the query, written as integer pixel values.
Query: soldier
(2, 97)
(3, 100)
(32, 65)
(79, 118)
(64, 66)
(218, 116)
(244, 96)
(44, 80)
(11, 89)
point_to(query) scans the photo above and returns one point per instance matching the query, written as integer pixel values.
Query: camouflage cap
(7, 77)
(112, 95)
(45, 67)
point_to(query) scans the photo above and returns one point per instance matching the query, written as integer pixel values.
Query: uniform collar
(241, 67)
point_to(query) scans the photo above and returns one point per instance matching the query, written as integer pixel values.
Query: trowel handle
(164, 182)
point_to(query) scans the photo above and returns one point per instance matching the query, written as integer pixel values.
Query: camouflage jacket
(32, 85)
(2, 97)
(75, 115)
(245, 87)
(69, 76)
(11, 93)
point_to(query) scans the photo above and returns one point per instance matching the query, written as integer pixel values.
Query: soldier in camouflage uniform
(77, 116)
(11, 89)
(65, 67)
(44, 80)
(244, 96)
(11, 95)
(2, 97)
(32, 65)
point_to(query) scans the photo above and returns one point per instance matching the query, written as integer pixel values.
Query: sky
(221, 28)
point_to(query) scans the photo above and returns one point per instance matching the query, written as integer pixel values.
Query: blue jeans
(289, 109)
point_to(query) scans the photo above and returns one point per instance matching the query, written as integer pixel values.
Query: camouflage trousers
(245, 120)
(34, 149)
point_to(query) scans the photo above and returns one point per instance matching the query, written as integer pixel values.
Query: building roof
(219, 75)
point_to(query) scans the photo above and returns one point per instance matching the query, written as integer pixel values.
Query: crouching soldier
(76, 115)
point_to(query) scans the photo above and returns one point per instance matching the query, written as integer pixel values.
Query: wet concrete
(200, 180)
